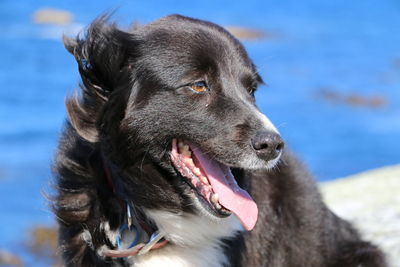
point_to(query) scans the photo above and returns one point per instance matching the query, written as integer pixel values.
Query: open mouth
(213, 183)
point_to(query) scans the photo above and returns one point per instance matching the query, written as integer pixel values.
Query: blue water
(351, 47)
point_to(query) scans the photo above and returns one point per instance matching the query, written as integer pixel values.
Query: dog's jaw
(215, 184)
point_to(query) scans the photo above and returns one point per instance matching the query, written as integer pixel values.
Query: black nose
(268, 145)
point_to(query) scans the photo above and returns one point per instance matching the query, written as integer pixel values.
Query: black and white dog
(165, 160)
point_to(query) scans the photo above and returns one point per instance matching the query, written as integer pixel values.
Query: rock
(246, 34)
(371, 200)
(9, 259)
(52, 16)
(356, 100)
(42, 243)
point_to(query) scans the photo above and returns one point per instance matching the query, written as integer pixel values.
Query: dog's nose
(268, 145)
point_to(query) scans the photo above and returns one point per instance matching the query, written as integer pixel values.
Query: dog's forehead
(181, 40)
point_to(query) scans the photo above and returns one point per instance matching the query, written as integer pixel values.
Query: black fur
(135, 99)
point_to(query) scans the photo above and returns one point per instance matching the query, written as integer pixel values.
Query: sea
(331, 68)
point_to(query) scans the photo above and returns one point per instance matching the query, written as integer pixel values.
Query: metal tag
(155, 237)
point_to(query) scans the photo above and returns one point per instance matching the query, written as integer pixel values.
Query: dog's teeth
(218, 206)
(180, 144)
(184, 149)
(186, 153)
(197, 172)
(189, 161)
(215, 198)
(203, 179)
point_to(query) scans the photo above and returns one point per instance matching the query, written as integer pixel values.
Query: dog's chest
(196, 241)
(175, 256)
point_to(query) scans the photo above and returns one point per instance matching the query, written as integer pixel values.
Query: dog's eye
(199, 86)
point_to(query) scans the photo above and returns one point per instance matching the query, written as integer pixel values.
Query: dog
(165, 160)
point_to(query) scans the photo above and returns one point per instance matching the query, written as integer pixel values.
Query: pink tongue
(231, 196)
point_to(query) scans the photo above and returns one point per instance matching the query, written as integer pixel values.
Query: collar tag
(128, 212)
(130, 234)
(155, 237)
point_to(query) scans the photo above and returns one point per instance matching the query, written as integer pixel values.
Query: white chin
(255, 163)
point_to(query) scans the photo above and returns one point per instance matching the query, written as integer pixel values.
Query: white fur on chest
(195, 240)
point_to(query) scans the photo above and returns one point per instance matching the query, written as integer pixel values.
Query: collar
(135, 237)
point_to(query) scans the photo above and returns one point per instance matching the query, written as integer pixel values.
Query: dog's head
(171, 106)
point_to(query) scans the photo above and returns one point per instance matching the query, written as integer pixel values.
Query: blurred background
(332, 70)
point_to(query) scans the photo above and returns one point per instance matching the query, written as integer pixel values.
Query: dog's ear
(83, 118)
(69, 44)
(102, 55)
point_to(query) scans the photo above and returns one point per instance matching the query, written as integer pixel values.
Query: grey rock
(371, 201)
(9, 259)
